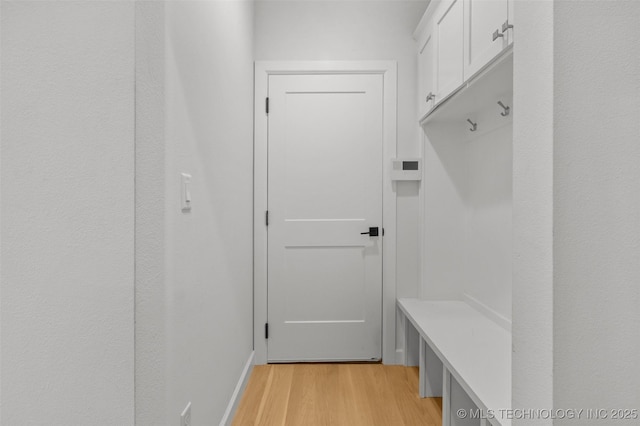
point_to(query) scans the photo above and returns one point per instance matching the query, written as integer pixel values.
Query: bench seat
(472, 348)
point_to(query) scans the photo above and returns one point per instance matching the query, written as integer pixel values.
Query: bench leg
(423, 369)
(411, 344)
(430, 372)
(406, 330)
(446, 397)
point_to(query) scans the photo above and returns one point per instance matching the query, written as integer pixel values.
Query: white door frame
(263, 69)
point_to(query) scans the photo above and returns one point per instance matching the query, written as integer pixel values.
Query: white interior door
(324, 191)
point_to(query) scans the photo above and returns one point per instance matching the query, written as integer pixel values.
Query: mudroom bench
(464, 357)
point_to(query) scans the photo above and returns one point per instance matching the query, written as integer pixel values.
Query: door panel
(426, 68)
(324, 190)
(449, 71)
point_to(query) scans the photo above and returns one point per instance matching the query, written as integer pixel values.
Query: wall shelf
(489, 85)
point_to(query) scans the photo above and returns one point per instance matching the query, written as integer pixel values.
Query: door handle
(496, 35)
(373, 232)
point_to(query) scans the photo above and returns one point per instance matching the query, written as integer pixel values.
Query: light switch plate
(185, 417)
(185, 192)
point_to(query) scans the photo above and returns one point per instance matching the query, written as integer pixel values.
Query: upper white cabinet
(456, 39)
(440, 52)
(487, 32)
(426, 70)
(449, 74)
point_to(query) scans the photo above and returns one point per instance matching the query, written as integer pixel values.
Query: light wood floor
(336, 394)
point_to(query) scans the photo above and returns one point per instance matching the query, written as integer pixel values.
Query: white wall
(596, 200)
(445, 217)
(1, 404)
(489, 241)
(196, 314)
(532, 330)
(348, 30)
(67, 151)
(151, 283)
(467, 211)
(576, 203)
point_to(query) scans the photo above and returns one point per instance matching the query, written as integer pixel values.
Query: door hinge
(266, 330)
(266, 217)
(266, 105)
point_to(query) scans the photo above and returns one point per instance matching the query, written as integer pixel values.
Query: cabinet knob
(496, 35)
(430, 96)
(506, 26)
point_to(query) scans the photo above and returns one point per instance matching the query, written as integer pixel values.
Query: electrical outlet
(185, 417)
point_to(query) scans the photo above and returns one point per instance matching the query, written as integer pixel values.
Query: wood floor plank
(302, 403)
(413, 409)
(336, 394)
(359, 405)
(379, 395)
(250, 403)
(275, 401)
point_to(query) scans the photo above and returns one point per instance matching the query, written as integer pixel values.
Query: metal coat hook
(505, 108)
(474, 126)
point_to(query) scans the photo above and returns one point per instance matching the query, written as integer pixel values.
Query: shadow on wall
(446, 150)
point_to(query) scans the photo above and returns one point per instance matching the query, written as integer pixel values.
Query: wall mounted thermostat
(406, 169)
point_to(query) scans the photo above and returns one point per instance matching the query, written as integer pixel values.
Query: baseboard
(499, 319)
(400, 357)
(238, 391)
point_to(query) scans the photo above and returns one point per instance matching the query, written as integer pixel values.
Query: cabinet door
(482, 18)
(509, 34)
(449, 38)
(426, 68)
